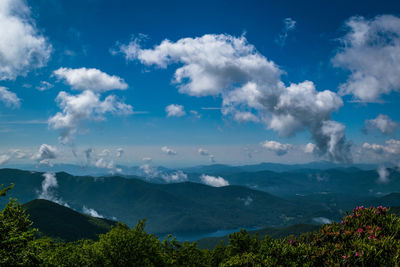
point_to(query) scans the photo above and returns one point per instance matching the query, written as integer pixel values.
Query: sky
(183, 83)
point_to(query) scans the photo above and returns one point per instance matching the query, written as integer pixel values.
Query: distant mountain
(296, 230)
(389, 200)
(275, 167)
(351, 181)
(62, 223)
(168, 208)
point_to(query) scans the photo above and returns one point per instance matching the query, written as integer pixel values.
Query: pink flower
(360, 230)
(344, 257)
(291, 242)
(357, 254)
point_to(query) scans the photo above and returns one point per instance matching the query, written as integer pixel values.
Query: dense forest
(365, 237)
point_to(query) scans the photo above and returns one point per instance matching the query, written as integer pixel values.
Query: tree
(15, 234)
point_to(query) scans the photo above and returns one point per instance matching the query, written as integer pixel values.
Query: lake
(197, 236)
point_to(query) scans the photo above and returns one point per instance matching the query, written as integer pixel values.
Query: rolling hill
(62, 223)
(168, 208)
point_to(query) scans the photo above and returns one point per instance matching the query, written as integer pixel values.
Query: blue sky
(306, 41)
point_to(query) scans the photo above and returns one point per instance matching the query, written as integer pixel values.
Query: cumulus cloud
(168, 151)
(105, 164)
(175, 110)
(203, 152)
(391, 147)
(288, 25)
(44, 86)
(230, 67)
(370, 50)
(9, 98)
(45, 154)
(22, 47)
(86, 106)
(383, 175)
(309, 148)
(49, 185)
(245, 117)
(175, 177)
(91, 212)
(4, 159)
(213, 181)
(278, 148)
(120, 152)
(382, 123)
(149, 171)
(90, 79)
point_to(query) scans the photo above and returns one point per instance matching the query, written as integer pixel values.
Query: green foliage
(15, 235)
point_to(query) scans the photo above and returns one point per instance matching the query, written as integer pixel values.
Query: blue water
(196, 236)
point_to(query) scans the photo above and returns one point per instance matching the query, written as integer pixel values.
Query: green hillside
(62, 223)
(168, 208)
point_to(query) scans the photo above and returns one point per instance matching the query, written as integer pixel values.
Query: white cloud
(168, 151)
(105, 164)
(383, 175)
(288, 25)
(322, 220)
(370, 52)
(49, 185)
(45, 154)
(278, 148)
(175, 110)
(310, 148)
(245, 117)
(383, 123)
(90, 79)
(204, 152)
(44, 86)
(4, 159)
(175, 177)
(91, 212)
(9, 98)
(120, 152)
(230, 67)
(149, 171)
(22, 47)
(85, 106)
(213, 181)
(391, 147)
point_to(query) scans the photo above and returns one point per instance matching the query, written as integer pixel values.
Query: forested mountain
(62, 223)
